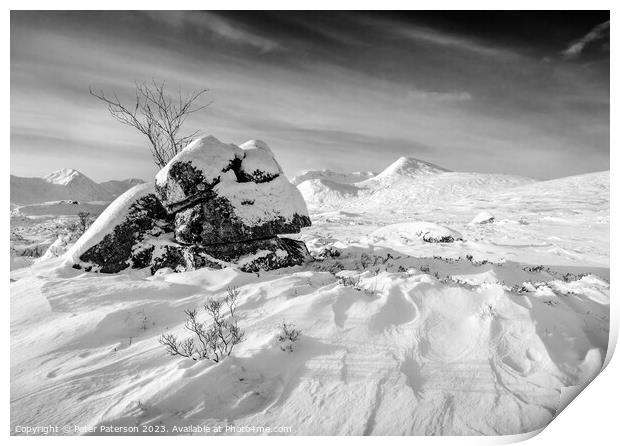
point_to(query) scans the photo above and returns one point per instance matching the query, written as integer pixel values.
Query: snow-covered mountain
(65, 184)
(406, 166)
(117, 187)
(406, 182)
(330, 175)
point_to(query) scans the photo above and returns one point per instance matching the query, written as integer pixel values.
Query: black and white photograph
(307, 223)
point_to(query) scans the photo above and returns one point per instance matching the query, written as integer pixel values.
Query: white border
(591, 418)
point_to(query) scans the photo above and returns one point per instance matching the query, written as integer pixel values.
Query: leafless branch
(157, 116)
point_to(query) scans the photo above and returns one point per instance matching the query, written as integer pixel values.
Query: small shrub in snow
(350, 281)
(488, 312)
(534, 269)
(570, 277)
(214, 341)
(476, 262)
(288, 336)
(327, 252)
(519, 289)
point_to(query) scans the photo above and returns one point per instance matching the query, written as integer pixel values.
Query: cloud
(216, 25)
(599, 32)
(420, 34)
(438, 96)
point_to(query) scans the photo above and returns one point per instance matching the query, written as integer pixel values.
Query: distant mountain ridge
(330, 175)
(66, 184)
(404, 183)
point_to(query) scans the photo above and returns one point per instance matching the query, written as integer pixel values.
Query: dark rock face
(146, 218)
(186, 186)
(215, 221)
(214, 205)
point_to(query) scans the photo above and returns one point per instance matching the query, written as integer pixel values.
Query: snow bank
(321, 192)
(108, 220)
(482, 218)
(418, 230)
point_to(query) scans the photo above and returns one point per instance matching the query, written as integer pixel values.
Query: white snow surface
(258, 156)
(408, 166)
(113, 215)
(399, 336)
(207, 154)
(256, 203)
(483, 217)
(403, 233)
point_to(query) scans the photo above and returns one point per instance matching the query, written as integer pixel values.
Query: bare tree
(157, 116)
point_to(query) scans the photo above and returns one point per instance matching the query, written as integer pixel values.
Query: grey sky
(522, 94)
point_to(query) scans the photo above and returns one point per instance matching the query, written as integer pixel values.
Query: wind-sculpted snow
(405, 345)
(429, 232)
(400, 336)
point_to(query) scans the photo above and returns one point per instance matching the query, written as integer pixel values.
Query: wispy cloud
(326, 101)
(417, 33)
(599, 32)
(439, 38)
(216, 25)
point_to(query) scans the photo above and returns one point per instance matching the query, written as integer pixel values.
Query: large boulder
(110, 244)
(243, 211)
(190, 176)
(241, 195)
(258, 164)
(213, 205)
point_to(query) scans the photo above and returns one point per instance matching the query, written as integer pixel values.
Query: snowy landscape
(413, 334)
(215, 292)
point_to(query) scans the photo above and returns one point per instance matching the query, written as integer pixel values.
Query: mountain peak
(408, 166)
(64, 176)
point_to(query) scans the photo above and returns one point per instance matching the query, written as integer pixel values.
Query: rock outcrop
(212, 205)
(483, 218)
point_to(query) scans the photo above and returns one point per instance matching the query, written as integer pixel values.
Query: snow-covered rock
(108, 245)
(483, 218)
(422, 230)
(192, 173)
(259, 164)
(204, 210)
(243, 211)
(241, 195)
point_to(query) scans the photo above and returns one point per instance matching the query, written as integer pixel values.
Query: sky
(523, 93)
